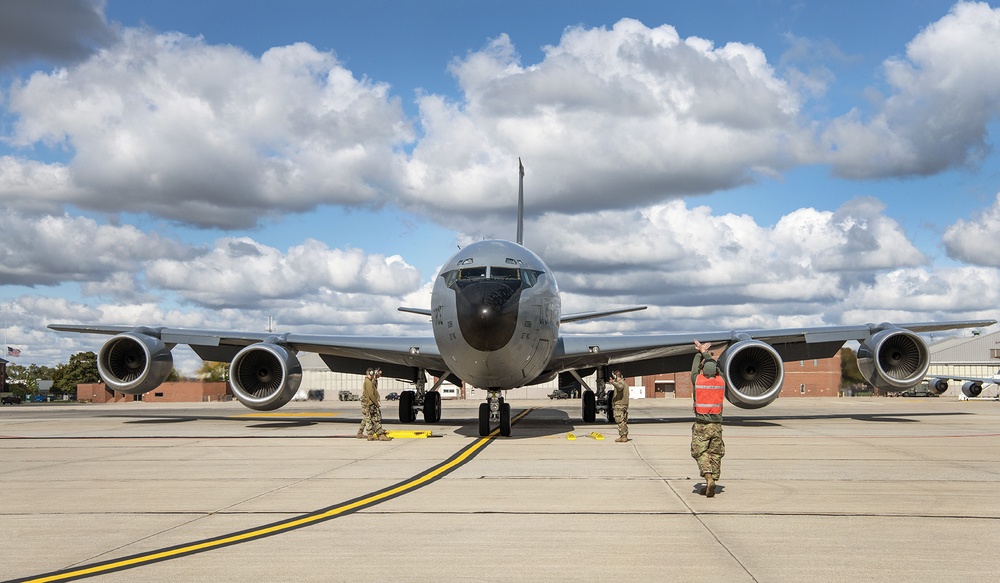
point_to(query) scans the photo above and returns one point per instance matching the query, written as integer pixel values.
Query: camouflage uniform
(707, 447)
(620, 406)
(371, 411)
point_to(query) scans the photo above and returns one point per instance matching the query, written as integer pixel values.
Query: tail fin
(520, 203)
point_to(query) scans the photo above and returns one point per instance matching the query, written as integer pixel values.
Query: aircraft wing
(637, 355)
(396, 355)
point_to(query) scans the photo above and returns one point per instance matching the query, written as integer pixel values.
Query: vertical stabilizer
(520, 203)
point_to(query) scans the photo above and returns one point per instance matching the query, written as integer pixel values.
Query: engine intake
(265, 376)
(134, 363)
(893, 359)
(937, 386)
(972, 388)
(753, 372)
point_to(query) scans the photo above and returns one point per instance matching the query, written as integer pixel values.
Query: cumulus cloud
(239, 272)
(944, 92)
(976, 241)
(59, 248)
(61, 31)
(207, 135)
(631, 105)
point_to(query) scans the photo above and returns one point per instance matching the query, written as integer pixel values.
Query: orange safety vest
(709, 394)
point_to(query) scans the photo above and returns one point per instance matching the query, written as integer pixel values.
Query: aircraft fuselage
(495, 314)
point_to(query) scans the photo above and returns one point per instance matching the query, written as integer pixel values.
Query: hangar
(975, 356)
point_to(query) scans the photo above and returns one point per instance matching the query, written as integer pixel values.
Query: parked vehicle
(558, 394)
(392, 397)
(12, 400)
(348, 396)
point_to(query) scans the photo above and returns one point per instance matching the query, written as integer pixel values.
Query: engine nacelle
(753, 373)
(972, 388)
(134, 363)
(937, 386)
(265, 376)
(893, 359)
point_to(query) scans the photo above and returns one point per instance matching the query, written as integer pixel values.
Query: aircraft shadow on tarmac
(540, 422)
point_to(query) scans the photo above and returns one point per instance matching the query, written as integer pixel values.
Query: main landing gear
(428, 401)
(596, 402)
(494, 410)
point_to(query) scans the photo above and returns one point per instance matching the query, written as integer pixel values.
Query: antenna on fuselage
(520, 203)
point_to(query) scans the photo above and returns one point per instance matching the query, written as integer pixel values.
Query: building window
(802, 388)
(815, 362)
(802, 363)
(157, 394)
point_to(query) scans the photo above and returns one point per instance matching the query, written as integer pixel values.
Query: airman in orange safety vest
(708, 394)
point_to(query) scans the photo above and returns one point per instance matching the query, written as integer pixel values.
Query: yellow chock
(597, 436)
(409, 434)
(570, 437)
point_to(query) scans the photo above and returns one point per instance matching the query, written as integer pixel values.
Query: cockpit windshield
(528, 277)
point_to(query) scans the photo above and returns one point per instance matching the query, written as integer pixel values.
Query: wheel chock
(570, 437)
(405, 434)
(596, 435)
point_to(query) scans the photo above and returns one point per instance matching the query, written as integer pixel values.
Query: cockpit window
(508, 273)
(527, 277)
(472, 273)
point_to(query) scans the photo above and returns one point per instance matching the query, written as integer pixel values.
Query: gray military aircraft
(496, 316)
(972, 387)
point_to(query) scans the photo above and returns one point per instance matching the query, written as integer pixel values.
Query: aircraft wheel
(484, 419)
(432, 407)
(611, 408)
(589, 407)
(505, 419)
(406, 414)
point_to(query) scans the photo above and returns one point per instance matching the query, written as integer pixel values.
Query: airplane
(496, 318)
(972, 387)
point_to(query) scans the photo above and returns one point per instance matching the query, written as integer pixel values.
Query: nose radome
(487, 313)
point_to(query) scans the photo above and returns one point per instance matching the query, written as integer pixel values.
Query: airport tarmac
(812, 489)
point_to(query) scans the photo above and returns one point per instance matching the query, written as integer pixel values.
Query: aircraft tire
(589, 407)
(432, 407)
(406, 414)
(484, 419)
(611, 408)
(505, 419)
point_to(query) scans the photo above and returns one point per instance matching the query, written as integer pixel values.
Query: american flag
(11, 351)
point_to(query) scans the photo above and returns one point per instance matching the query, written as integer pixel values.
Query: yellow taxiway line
(462, 456)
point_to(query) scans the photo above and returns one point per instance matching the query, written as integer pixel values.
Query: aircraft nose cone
(487, 313)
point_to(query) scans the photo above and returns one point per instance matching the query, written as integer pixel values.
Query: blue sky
(730, 164)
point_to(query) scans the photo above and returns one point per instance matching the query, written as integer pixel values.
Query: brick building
(179, 392)
(818, 377)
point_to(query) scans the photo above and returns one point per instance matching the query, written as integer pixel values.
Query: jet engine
(134, 362)
(893, 359)
(753, 373)
(265, 376)
(972, 388)
(937, 386)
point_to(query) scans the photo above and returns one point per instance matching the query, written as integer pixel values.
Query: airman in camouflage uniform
(371, 411)
(620, 405)
(707, 447)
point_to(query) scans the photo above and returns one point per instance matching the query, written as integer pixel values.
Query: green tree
(81, 368)
(213, 372)
(850, 374)
(23, 380)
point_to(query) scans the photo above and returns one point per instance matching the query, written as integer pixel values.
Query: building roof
(984, 348)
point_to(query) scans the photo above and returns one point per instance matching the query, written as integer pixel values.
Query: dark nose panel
(487, 312)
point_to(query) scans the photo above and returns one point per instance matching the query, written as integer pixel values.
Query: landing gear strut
(428, 401)
(596, 402)
(494, 410)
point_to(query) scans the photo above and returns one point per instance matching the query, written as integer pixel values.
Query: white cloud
(944, 93)
(631, 105)
(57, 248)
(976, 241)
(209, 135)
(239, 272)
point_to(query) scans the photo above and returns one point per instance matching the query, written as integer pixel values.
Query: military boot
(361, 434)
(622, 439)
(384, 437)
(709, 485)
